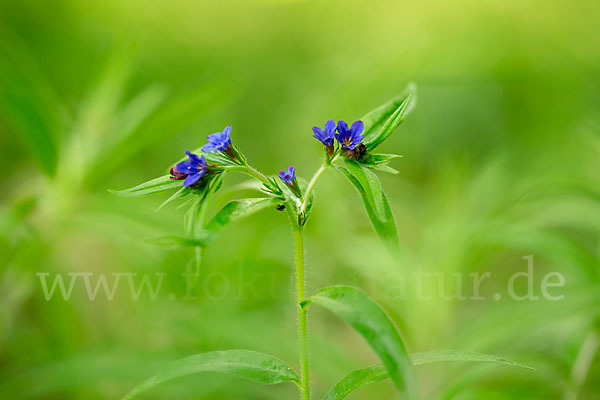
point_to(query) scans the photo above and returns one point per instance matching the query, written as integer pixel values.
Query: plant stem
(302, 317)
(311, 186)
(248, 169)
(313, 182)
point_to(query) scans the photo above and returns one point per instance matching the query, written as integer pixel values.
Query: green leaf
(152, 186)
(369, 320)
(376, 373)
(193, 219)
(214, 158)
(457, 355)
(374, 199)
(257, 367)
(181, 193)
(384, 168)
(234, 211)
(381, 158)
(357, 379)
(381, 122)
(380, 162)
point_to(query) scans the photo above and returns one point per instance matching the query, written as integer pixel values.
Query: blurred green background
(501, 161)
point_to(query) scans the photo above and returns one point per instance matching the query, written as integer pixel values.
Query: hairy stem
(196, 224)
(248, 169)
(302, 317)
(311, 186)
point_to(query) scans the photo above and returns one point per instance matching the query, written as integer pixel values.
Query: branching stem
(313, 182)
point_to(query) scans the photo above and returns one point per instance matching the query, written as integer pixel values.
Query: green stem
(196, 224)
(313, 182)
(250, 171)
(302, 317)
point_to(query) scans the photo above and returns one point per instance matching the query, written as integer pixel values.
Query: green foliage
(29, 103)
(378, 209)
(152, 186)
(256, 367)
(377, 373)
(501, 161)
(234, 211)
(366, 317)
(381, 122)
(380, 162)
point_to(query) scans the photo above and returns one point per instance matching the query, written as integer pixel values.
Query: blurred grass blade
(135, 112)
(369, 320)
(377, 373)
(28, 103)
(381, 122)
(257, 367)
(153, 186)
(171, 117)
(374, 199)
(177, 241)
(457, 355)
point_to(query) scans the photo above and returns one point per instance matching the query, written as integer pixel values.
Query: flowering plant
(350, 151)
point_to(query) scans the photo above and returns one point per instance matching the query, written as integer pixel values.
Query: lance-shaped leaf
(374, 199)
(180, 194)
(369, 320)
(153, 186)
(381, 122)
(380, 162)
(232, 211)
(257, 367)
(377, 373)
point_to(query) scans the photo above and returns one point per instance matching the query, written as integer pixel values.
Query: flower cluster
(349, 138)
(192, 170)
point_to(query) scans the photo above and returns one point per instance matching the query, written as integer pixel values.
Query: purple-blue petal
(330, 127)
(203, 164)
(209, 148)
(342, 127)
(193, 157)
(219, 141)
(192, 179)
(357, 127)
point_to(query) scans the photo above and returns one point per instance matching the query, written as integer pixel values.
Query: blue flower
(349, 138)
(219, 141)
(325, 136)
(191, 170)
(288, 176)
